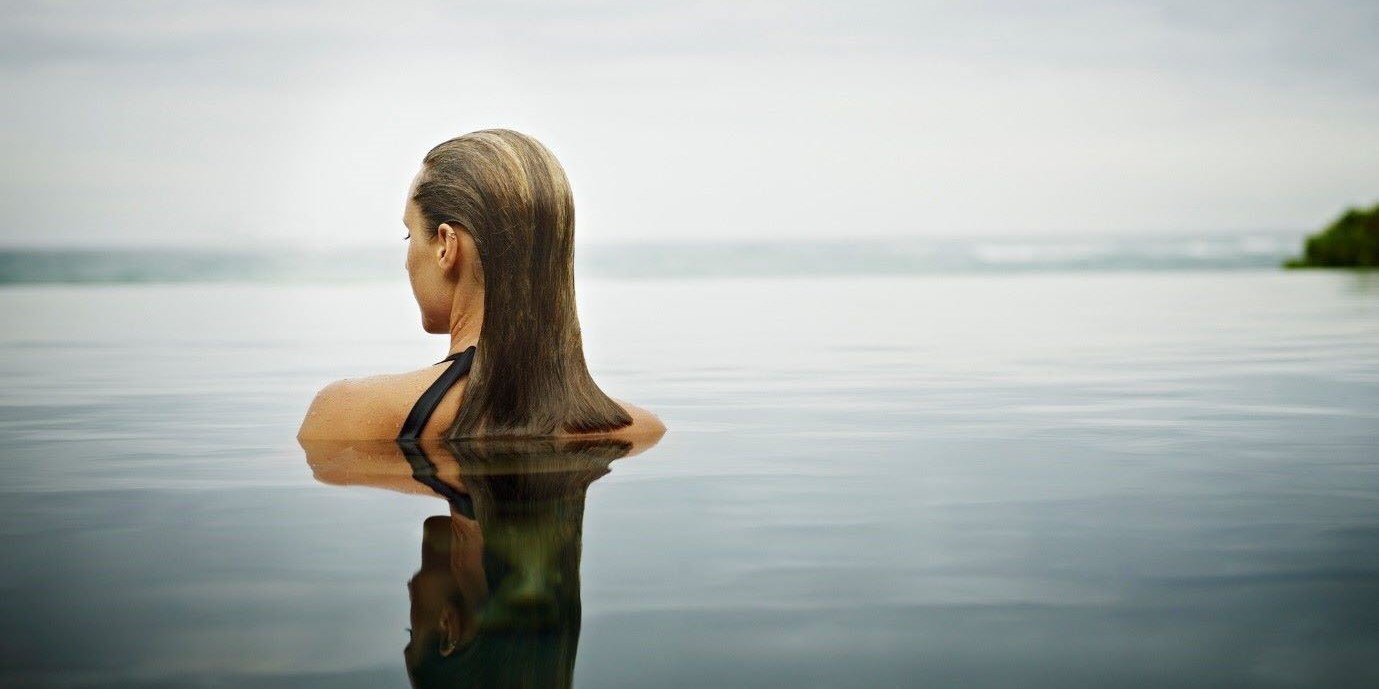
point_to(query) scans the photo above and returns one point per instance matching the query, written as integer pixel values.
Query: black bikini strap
(426, 404)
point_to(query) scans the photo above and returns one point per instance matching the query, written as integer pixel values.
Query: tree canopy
(1349, 242)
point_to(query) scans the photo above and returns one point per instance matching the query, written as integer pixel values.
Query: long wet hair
(528, 377)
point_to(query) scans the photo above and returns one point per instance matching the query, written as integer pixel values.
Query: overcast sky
(301, 123)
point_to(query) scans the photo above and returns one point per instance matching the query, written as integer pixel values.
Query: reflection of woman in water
(490, 258)
(496, 601)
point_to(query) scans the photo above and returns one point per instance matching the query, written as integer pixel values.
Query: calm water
(850, 256)
(1040, 479)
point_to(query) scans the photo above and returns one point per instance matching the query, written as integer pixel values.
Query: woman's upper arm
(646, 429)
(322, 419)
(346, 409)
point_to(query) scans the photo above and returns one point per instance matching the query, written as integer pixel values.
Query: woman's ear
(447, 248)
(457, 254)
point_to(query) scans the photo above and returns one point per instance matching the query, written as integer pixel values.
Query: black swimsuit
(426, 404)
(423, 469)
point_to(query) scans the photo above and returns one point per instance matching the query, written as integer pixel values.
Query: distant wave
(667, 260)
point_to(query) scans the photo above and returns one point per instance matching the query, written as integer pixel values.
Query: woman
(490, 257)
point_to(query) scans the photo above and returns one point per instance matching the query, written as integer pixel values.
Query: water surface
(1032, 479)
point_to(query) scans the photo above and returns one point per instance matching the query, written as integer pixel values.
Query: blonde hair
(528, 377)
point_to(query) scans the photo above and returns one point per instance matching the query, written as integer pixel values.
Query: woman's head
(490, 199)
(492, 223)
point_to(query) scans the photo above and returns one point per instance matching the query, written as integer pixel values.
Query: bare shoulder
(359, 407)
(346, 408)
(645, 431)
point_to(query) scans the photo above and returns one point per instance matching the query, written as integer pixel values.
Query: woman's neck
(466, 321)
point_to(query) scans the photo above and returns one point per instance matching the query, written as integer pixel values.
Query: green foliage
(1352, 241)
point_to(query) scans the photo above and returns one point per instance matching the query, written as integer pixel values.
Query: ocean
(661, 260)
(1035, 465)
